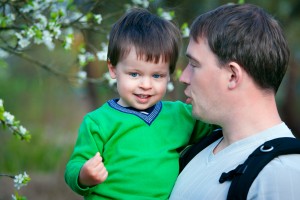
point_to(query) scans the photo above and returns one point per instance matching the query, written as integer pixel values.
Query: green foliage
(18, 197)
(41, 154)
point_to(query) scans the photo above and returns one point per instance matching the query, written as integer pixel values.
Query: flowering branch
(20, 180)
(25, 23)
(8, 120)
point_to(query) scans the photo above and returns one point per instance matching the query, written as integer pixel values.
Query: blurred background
(51, 106)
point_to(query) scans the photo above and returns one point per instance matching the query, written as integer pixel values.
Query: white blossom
(42, 21)
(82, 75)
(47, 39)
(11, 16)
(111, 82)
(166, 15)
(19, 35)
(89, 56)
(98, 18)
(170, 87)
(21, 180)
(83, 19)
(30, 32)
(72, 17)
(185, 32)
(3, 54)
(36, 5)
(102, 55)
(47, 36)
(56, 29)
(23, 41)
(68, 42)
(104, 46)
(85, 57)
(38, 40)
(69, 31)
(9, 118)
(22, 130)
(82, 59)
(144, 3)
(26, 9)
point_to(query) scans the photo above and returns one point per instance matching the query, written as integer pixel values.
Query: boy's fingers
(97, 156)
(96, 159)
(103, 173)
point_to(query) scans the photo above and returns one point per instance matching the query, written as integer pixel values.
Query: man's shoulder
(279, 179)
(285, 158)
(283, 164)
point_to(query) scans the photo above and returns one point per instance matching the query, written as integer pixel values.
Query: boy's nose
(145, 83)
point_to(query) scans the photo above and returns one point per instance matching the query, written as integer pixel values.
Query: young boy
(129, 147)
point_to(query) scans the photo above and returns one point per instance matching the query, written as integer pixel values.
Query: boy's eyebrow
(189, 56)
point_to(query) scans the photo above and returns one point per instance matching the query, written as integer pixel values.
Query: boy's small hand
(93, 171)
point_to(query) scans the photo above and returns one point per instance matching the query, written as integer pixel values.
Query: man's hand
(93, 171)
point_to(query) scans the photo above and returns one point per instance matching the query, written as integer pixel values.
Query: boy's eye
(156, 75)
(133, 74)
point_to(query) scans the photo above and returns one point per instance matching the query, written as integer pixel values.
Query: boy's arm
(201, 130)
(93, 172)
(85, 148)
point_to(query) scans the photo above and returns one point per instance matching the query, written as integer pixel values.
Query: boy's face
(140, 84)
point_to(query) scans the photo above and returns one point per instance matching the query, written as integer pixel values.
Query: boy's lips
(143, 98)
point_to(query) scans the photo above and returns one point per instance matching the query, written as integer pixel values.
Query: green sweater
(140, 151)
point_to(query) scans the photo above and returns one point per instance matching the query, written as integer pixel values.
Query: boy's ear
(235, 75)
(111, 69)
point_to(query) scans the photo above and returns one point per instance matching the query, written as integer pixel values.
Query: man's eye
(192, 64)
(133, 74)
(156, 76)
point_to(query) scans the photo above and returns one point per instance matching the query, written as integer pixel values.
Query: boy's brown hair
(152, 37)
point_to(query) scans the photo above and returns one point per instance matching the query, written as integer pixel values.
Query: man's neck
(249, 120)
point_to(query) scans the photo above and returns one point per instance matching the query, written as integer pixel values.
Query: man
(237, 59)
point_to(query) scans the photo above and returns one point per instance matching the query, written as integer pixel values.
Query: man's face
(205, 81)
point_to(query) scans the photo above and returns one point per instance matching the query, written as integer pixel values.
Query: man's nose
(185, 77)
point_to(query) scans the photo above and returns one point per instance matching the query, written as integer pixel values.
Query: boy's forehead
(138, 54)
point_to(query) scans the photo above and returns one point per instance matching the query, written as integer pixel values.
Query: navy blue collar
(148, 118)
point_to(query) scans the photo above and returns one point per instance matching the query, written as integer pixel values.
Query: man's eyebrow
(189, 56)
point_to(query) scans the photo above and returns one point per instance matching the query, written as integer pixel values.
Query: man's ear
(111, 69)
(235, 75)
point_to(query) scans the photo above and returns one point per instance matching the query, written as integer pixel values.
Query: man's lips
(188, 100)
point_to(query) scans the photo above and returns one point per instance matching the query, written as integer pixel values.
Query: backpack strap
(189, 153)
(244, 174)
